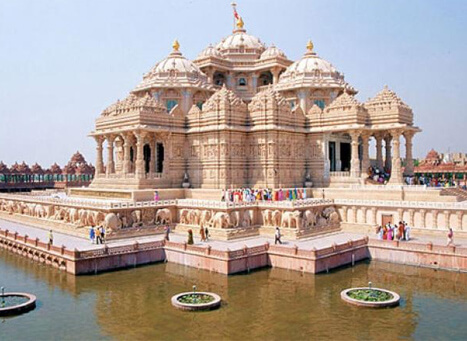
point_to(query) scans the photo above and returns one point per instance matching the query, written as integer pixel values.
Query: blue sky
(62, 62)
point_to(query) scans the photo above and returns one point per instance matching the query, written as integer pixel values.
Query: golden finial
(309, 46)
(176, 45)
(240, 23)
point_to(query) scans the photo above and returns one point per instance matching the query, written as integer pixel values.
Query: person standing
(277, 236)
(206, 233)
(167, 232)
(202, 235)
(92, 234)
(450, 237)
(102, 234)
(190, 237)
(98, 236)
(51, 237)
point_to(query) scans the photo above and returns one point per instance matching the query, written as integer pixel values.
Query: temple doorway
(147, 157)
(345, 156)
(160, 158)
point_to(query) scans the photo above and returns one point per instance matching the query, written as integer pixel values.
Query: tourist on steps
(102, 234)
(190, 237)
(202, 235)
(206, 233)
(51, 237)
(277, 236)
(98, 236)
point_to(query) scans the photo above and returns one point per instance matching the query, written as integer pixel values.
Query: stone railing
(403, 204)
(339, 174)
(262, 204)
(417, 188)
(142, 204)
(58, 201)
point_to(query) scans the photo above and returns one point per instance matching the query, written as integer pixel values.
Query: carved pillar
(139, 154)
(411, 217)
(354, 213)
(126, 154)
(374, 213)
(460, 215)
(422, 218)
(365, 154)
(379, 150)
(187, 100)
(396, 169)
(327, 165)
(447, 217)
(99, 159)
(355, 162)
(434, 223)
(387, 142)
(400, 214)
(364, 209)
(303, 99)
(254, 82)
(275, 75)
(345, 210)
(408, 153)
(110, 155)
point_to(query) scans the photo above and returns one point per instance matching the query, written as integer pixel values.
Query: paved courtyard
(72, 242)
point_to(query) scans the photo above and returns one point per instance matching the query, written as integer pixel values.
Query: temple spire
(176, 45)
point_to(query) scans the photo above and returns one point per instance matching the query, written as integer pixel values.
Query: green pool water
(270, 304)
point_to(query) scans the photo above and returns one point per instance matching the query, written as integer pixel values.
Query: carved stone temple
(243, 115)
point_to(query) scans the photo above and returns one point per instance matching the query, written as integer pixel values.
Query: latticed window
(170, 104)
(242, 82)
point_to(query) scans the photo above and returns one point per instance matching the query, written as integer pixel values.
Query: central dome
(240, 43)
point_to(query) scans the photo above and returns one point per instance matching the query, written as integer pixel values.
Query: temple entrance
(147, 157)
(332, 156)
(160, 158)
(345, 156)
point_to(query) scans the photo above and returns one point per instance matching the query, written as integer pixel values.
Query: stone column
(303, 99)
(99, 159)
(387, 142)
(447, 217)
(187, 100)
(275, 75)
(126, 153)
(345, 217)
(327, 164)
(354, 213)
(374, 213)
(379, 151)
(365, 154)
(411, 217)
(110, 155)
(354, 162)
(139, 154)
(434, 214)
(364, 209)
(460, 215)
(400, 214)
(254, 82)
(409, 167)
(422, 218)
(396, 169)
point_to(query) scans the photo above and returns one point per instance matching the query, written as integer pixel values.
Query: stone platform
(78, 256)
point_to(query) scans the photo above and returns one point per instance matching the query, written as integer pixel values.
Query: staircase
(460, 194)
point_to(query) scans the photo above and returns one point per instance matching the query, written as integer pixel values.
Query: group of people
(399, 231)
(439, 181)
(97, 235)
(203, 234)
(265, 194)
(381, 177)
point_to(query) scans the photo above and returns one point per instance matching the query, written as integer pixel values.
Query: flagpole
(234, 7)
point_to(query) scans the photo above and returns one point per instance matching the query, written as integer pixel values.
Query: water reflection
(271, 303)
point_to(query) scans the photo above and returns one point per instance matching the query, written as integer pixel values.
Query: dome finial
(240, 23)
(176, 45)
(309, 46)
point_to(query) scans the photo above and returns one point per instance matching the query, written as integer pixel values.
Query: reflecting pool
(269, 304)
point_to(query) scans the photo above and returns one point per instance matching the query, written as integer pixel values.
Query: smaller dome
(174, 71)
(273, 52)
(210, 51)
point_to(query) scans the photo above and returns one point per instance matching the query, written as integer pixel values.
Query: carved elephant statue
(276, 218)
(184, 212)
(246, 219)
(194, 217)
(309, 219)
(60, 213)
(136, 218)
(72, 216)
(221, 220)
(206, 216)
(39, 211)
(267, 217)
(112, 222)
(83, 217)
(291, 219)
(163, 216)
(235, 218)
(334, 218)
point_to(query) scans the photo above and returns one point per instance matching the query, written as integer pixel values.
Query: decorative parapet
(403, 204)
